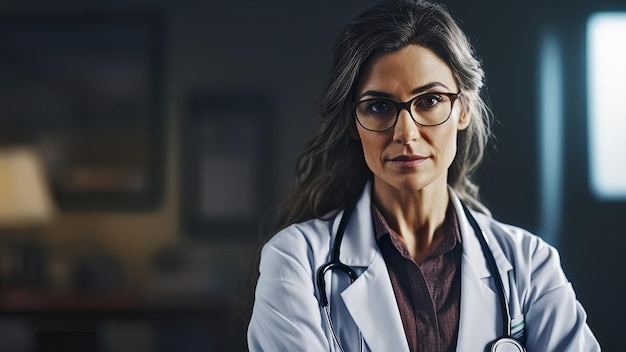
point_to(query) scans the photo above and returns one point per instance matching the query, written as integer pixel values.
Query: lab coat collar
(479, 299)
(472, 252)
(359, 246)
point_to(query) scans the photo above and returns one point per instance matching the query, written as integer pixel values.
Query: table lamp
(24, 192)
(25, 207)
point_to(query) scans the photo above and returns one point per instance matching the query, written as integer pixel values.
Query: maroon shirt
(428, 294)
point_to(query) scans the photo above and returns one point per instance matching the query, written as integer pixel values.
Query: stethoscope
(505, 343)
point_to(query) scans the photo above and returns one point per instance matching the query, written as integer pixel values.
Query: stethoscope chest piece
(506, 344)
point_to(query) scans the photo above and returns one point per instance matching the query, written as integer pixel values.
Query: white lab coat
(287, 314)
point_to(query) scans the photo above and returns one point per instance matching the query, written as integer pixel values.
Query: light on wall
(606, 77)
(550, 135)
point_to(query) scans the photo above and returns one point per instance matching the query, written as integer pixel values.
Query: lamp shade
(25, 199)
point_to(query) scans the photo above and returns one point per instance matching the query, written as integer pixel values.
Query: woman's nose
(405, 130)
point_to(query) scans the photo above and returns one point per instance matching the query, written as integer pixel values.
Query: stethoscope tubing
(504, 343)
(335, 263)
(495, 272)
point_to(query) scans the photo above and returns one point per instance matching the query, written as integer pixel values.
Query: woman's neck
(415, 216)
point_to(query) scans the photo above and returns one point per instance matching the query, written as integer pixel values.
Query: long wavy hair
(331, 171)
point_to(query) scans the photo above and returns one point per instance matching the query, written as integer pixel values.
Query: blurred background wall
(151, 238)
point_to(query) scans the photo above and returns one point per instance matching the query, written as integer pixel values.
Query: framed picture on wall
(86, 90)
(227, 163)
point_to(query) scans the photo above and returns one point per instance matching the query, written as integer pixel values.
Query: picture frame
(226, 163)
(86, 90)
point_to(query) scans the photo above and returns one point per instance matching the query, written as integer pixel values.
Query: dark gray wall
(591, 237)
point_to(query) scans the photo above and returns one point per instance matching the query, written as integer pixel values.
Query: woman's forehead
(405, 70)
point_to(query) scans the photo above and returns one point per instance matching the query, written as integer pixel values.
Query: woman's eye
(379, 106)
(428, 101)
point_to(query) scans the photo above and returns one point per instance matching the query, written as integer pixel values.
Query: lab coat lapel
(372, 305)
(370, 300)
(480, 320)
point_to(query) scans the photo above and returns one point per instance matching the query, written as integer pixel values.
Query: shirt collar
(450, 227)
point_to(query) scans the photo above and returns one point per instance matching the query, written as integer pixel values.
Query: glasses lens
(431, 109)
(376, 114)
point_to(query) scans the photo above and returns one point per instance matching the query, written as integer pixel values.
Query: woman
(385, 189)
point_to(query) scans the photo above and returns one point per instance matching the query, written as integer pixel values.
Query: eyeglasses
(429, 109)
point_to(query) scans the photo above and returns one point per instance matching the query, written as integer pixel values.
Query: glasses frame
(407, 106)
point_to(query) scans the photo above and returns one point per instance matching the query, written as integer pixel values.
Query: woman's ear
(464, 117)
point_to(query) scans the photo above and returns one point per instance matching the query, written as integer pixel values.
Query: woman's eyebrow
(417, 90)
(375, 93)
(429, 86)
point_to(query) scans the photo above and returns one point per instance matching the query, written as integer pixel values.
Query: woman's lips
(407, 161)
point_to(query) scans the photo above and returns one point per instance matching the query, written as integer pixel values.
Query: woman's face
(409, 157)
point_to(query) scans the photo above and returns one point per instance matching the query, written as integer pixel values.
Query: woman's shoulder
(537, 264)
(516, 242)
(309, 232)
(304, 244)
